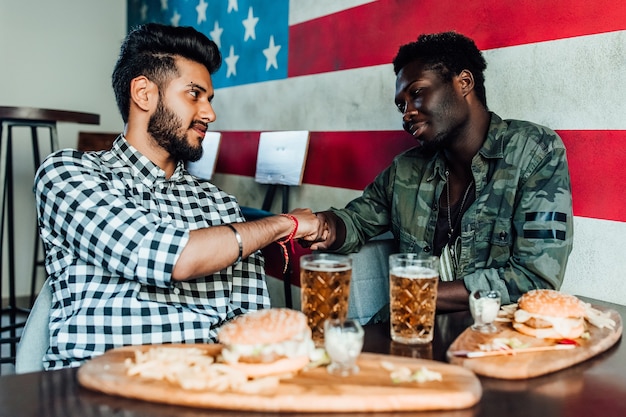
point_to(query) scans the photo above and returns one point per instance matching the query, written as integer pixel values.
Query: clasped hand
(315, 233)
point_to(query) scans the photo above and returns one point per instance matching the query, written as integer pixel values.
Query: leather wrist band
(239, 242)
(289, 238)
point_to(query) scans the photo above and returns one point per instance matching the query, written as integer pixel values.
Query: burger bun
(550, 332)
(550, 314)
(267, 342)
(278, 367)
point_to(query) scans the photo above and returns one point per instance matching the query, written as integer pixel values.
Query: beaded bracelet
(288, 238)
(239, 242)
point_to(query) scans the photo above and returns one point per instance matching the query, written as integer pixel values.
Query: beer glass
(325, 287)
(413, 297)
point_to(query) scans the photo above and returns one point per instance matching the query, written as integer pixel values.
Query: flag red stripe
(368, 35)
(335, 159)
(596, 160)
(351, 160)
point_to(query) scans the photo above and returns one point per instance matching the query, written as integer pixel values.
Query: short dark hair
(151, 50)
(447, 53)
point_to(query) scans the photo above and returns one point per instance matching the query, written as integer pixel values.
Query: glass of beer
(413, 297)
(325, 285)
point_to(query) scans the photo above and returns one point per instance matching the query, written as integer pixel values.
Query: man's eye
(194, 93)
(416, 92)
(400, 107)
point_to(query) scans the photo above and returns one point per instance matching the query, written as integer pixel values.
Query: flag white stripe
(569, 84)
(303, 10)
(596, 265)
(360, 99)
(564, 84)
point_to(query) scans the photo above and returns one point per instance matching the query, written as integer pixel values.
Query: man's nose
(207, 113)
(409, 113)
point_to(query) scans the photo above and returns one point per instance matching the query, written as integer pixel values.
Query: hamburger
(549, 314)
(267, 342)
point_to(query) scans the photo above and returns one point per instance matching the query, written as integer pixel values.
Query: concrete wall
(57, 55)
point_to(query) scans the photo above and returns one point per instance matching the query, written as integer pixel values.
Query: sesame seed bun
(279, 367)
(267, 342)
(549, 314)
(263, 326)
(550, 332)
(551, 303)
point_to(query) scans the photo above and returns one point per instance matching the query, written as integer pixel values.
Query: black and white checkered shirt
(113, 227)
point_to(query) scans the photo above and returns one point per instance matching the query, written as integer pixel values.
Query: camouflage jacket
(516, 236)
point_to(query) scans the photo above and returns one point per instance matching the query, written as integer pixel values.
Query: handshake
(319, 231)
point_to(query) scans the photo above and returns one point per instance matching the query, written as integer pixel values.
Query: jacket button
(503, 235)
(426, 248)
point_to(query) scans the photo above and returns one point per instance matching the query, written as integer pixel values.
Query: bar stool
(33, 119)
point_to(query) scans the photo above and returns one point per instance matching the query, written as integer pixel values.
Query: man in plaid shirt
(138, 250)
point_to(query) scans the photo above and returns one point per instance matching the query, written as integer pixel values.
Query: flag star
(163, 4)
(201, 9)
(232, 5)
(144, 12)
(231, 63)
(250, 24)
(216, 34)
(270, 54)
(175, 20)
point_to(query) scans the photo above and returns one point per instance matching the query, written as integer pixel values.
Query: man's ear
(144, 93)
(466, 81)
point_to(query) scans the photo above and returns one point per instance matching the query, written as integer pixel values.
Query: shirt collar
(494, 145)
(143, 167)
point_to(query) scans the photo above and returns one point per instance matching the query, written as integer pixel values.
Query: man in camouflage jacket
(490, 196)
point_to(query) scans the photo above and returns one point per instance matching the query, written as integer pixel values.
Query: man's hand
(330, 233)
(308, 223)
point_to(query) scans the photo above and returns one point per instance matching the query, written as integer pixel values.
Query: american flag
(250, 33)
(558, 63)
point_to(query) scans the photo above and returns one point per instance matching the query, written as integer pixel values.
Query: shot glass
(325, 288)
(343, 341)
(413, 297)
(484, 306)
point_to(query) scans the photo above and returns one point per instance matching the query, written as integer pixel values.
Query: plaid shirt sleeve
(93, 217)
(113, 227)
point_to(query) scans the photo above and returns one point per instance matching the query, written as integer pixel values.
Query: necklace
(462, 204)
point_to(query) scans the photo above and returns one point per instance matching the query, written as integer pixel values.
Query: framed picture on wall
(282, 157)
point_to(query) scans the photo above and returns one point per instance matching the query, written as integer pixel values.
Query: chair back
(35, 338)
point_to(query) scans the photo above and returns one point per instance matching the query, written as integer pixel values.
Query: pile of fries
(194, 369)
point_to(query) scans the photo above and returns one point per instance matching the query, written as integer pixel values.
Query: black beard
(438, 143)
(164, 126)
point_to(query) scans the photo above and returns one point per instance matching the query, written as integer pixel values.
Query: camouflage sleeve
(368, 215)
(543, 228)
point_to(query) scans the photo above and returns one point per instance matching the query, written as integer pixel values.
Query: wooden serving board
(312, 390)
(532, 364)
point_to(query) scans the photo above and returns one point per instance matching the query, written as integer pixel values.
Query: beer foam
(414, 272)
(326, 266)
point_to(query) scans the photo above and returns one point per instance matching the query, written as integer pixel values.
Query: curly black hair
(447, 53)
(151, 50)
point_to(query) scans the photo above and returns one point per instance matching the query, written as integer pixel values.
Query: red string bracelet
(289, 238)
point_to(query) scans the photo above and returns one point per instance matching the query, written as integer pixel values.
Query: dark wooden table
(596, 387)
